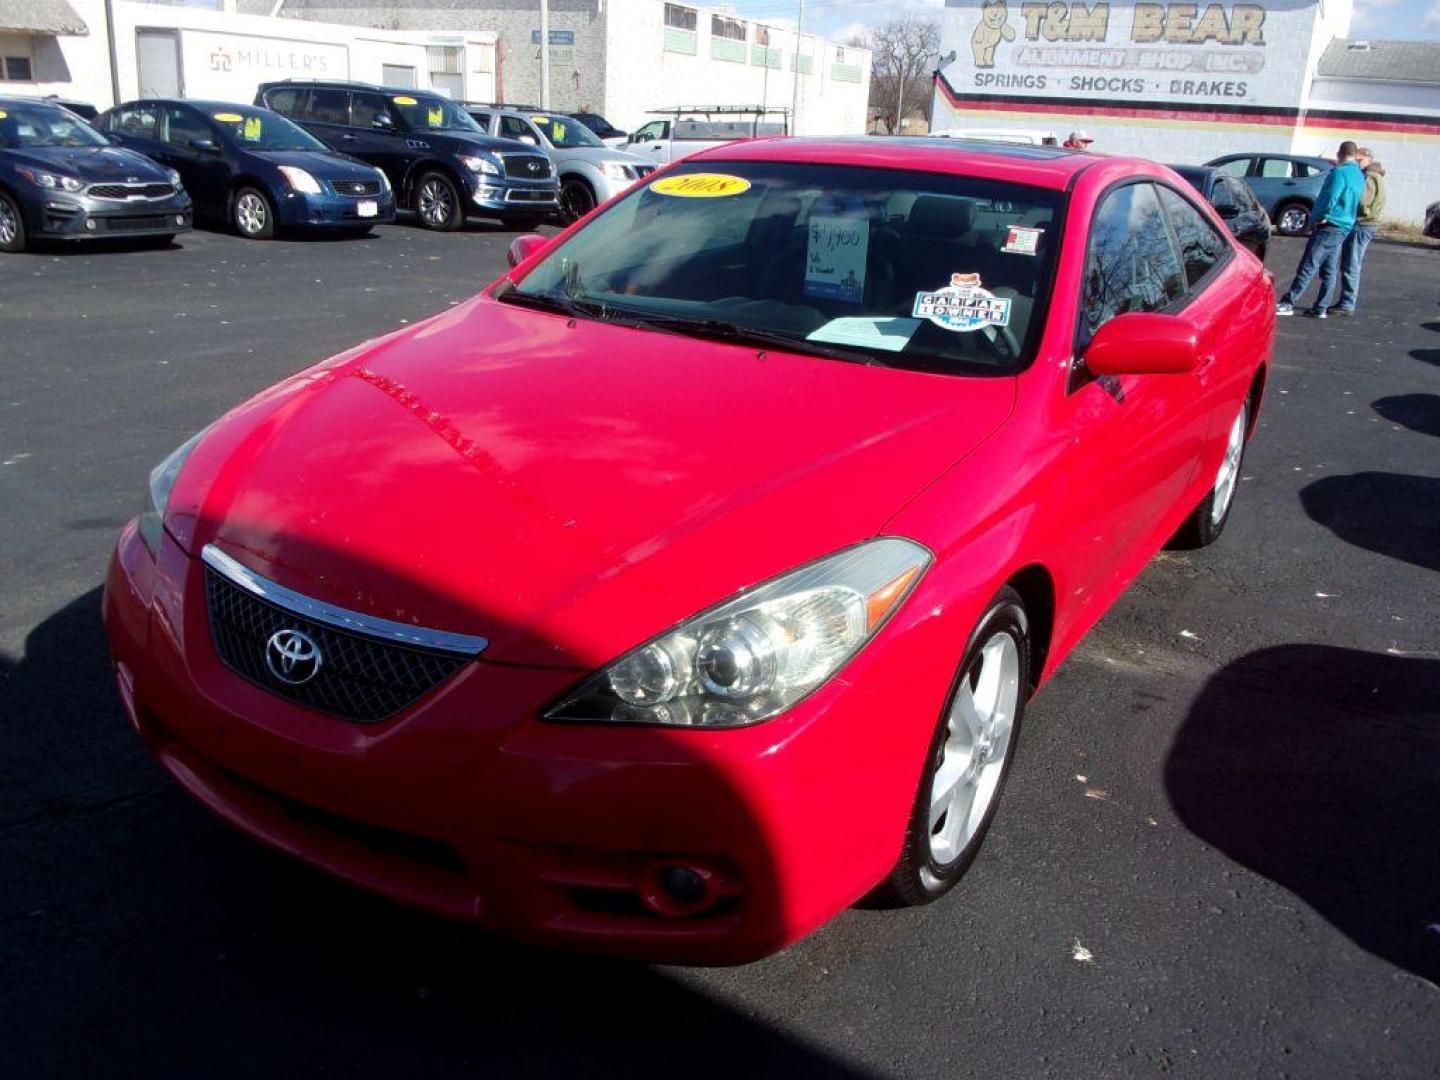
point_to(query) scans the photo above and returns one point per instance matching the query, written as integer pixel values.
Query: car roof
(1038, 166)
(1198, 172)
(347, 84)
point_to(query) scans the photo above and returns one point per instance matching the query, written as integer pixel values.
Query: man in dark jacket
(1334, 216)
(1352, 255)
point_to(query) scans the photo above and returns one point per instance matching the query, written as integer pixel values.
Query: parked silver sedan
(590, 172)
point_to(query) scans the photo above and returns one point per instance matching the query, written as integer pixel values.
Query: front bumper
(468, 806)
(500, 195)
(296, 210)
(58, 216)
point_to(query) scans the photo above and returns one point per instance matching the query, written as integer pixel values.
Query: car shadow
(1393, 514)
(102, 246)
(1426, 356)
(1418, 412)
(180, 946)
(1319, 768)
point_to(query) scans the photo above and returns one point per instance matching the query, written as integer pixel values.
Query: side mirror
(383, 122)
(1227, 211)
(1144, 343)
(204, 146)
(524, 247)
(530, 139)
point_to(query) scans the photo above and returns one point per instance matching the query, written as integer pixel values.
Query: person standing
(1334, 216)
(1367, 222)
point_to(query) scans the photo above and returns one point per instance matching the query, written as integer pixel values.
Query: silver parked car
(590, 172)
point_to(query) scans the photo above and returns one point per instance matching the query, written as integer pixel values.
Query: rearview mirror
(1143, 343)
(523, 247)
(204, 146)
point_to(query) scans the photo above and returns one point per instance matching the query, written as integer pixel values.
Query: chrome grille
(356, 187)
(362, 678)
(527, 166)
(131, 191)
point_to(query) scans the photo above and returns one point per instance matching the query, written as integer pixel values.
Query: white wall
(641, 75)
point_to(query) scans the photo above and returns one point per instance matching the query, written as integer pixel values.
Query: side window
(1274, 168)
(366, 108)
(1200, 245)
(284, 100)
(137, 121)
(1237, 193)
(484, 119)
(1238, 167)
(512, 127)
(1301, 169)
(182, 127)
(655, 129)
(1132, 265)
(328, 106)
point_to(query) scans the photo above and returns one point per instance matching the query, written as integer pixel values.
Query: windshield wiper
(723, 330)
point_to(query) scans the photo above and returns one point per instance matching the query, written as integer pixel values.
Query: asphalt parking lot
(1217, 855)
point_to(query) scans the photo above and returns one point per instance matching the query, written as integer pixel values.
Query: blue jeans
(1352, 258)
(1322, 255)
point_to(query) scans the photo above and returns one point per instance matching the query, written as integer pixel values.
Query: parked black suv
(440, 163)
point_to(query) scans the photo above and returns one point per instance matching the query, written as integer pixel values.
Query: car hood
(565, 488)
(91, 163)
(323, 165)
(597, 154)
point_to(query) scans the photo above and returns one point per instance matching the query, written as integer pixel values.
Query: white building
(1186, 82)
(621, 58)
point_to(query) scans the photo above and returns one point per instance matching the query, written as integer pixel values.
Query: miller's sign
(1241, 52)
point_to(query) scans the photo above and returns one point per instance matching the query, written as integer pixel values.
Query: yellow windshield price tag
(403, 100)
(3, 114)
(229, 117)
(541, 120)
(557, 131)
(252, 128)
(701, 186)
(435, 116)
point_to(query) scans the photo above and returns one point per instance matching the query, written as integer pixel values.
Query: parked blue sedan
(1285, 185)
(252, 168)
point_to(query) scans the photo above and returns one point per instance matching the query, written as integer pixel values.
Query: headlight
(615, 170)
(758, 654)
(162, 480)
(174, 178)
(384, 180)
(300, 180)
(51, 180)
(480, 165)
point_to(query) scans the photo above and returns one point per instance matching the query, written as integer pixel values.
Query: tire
(577, 198)
(437, 203)
(1207, 521)
(936, 856)
(252, 215)
(12, 225)
(1292, 218)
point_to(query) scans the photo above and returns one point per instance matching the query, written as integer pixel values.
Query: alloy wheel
(1229, 474)
(976, 746)
(9, 223)
(1293, 219)
(576, 201)
(251, 213)
(436, 202)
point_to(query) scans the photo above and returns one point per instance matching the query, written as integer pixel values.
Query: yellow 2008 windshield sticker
(252, 128)
(701, 185)
(435, 116)
(229, 117)
(403, 100)
(3, 114)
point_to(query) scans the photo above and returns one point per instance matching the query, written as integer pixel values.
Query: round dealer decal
(701, 185)
(962, 306)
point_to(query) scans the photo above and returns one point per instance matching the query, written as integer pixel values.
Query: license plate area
(367, 208)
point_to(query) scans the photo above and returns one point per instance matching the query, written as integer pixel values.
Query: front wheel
(576, 200)
(1292, 219)
(252, 215)
(437, 202)
(969, 759)
(1205, 524)
(12, 225)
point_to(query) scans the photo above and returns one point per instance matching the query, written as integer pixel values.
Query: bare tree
(903, 57)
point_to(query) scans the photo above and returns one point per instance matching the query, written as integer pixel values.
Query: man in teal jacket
(1334, 216)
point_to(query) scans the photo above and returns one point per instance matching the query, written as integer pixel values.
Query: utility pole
(545, 54)
(899, 101)
(795, 93)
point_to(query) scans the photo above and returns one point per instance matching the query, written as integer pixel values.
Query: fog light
(678, 890)
(179, 219)
(91, 225)
(683, 884)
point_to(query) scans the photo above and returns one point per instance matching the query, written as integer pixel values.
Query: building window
(722, 26)
(762, 35)
(680, 18)
(16, 69)
(447, 70)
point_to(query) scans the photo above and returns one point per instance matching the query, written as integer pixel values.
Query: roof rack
(720, 110)
(516, 106)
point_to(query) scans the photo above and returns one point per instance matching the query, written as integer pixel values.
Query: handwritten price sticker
(835, 258)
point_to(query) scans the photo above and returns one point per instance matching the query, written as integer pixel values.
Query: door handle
(347, 138)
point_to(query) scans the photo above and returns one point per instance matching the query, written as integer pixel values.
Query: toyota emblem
(292, 657)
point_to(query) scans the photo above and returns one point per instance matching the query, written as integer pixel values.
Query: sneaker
(1284, 307)
(1342, 311)
(1315, 312)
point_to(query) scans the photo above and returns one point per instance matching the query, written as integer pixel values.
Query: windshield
(565, 133)
(261, 129)
(433, 114)
(45, 125)
(926, 271)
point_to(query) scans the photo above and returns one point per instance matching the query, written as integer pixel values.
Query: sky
(839, 19)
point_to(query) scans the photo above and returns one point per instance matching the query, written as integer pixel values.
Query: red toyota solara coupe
(688, 584)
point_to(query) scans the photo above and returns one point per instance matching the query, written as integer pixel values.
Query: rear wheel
(252, 215)
(1292, 219)
(437, 202)
(1207, 521)
(12, 225)
(969, 759)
